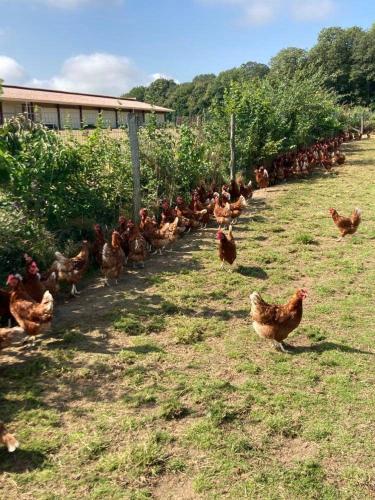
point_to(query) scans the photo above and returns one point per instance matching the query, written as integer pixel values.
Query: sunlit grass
(169, 392)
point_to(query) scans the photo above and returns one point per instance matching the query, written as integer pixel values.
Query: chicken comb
(12, 277)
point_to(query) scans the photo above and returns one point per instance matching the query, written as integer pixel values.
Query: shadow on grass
(21, 460)
(143, 349)
(252, 272)
(259, 218)
(328, 346)
(360, 163)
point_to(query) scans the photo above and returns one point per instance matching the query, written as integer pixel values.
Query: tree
(252, 69)
(159, 90)
(199, 99)
(178, 99)
(217, 88)
(362, 74)
(137, 92)
(333, 55)
(286, 62)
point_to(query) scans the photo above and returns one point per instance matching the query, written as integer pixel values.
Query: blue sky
(108, 46)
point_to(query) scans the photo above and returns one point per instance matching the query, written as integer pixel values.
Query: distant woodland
(344, 58)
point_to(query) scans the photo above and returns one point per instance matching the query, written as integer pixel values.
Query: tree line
(344, 58)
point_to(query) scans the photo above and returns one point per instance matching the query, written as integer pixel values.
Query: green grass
(161, 389)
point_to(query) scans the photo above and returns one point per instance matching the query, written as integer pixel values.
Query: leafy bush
(19, 234)
(63, 182)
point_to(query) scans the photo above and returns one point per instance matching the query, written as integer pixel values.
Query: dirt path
(93, 310)
(90, 310)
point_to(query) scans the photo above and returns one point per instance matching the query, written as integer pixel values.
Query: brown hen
(346, 225)
(227, 247)
(276, 322)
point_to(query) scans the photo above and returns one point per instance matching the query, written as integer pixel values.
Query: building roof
(46, 96)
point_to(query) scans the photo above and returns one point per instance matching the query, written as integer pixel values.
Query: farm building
(59, 109)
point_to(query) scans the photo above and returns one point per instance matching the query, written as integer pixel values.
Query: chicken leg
(74, 290)
(281, 346)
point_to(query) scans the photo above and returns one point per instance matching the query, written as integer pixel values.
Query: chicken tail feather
(59, 256)
(255, 299)
(8, 439)
(10, 442)
(356, 217)
(47, 302)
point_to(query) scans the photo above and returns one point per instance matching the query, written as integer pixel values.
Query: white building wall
(90, 116)
(122, 118)
(70, 118)
(109, 118)
(47, 116)
(11, 108)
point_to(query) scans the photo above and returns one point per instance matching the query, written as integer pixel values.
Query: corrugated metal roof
(45, 96)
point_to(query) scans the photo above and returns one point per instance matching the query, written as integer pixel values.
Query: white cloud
(97, 73)
(157, 76)
(11, 71)
(260, 12)
(312, 10)
(65, 4)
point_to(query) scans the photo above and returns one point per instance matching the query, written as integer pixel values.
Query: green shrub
(20, 233)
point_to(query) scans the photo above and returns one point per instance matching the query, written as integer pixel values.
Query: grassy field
(159, 388)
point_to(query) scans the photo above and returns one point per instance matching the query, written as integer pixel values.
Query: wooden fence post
(362, 123)
(232, 162)
(134, 148)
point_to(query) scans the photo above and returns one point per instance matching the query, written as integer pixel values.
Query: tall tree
(252, 69)
(199, 98)
(159, 90)
(178, 98)
(286, 62)
(362, 75)
(137, 92)
(333, 55)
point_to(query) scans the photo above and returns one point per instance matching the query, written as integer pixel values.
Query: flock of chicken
(300, 163)
(30, 299)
